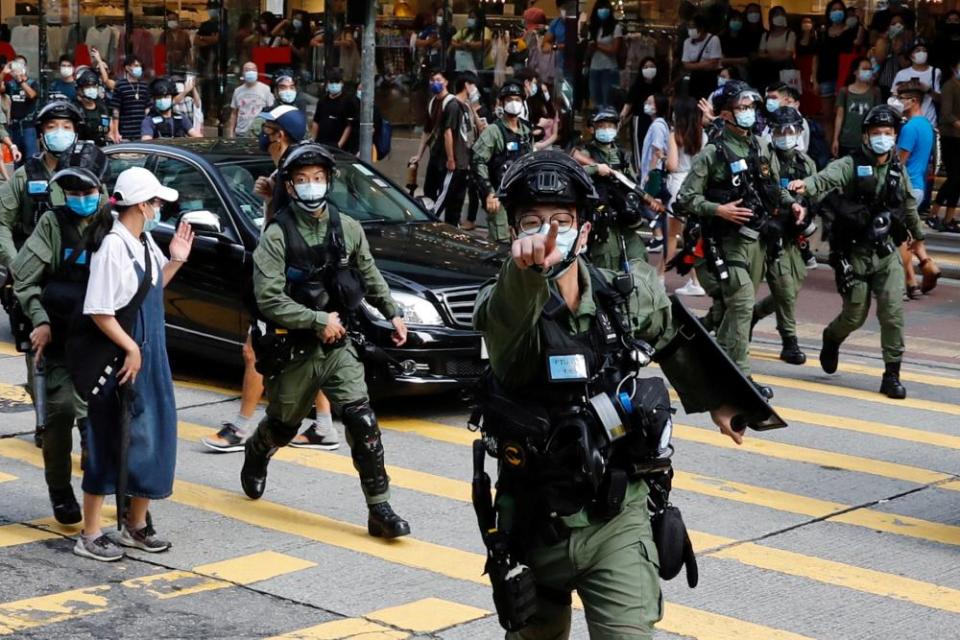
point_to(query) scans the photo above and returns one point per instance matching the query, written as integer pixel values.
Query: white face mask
(649, 72)
(91, 93)
(785, 143)
(513, 108)
(474, 95)
(920, 57)
(66, 72)
(693, 33)
(778, 21)
(650, 110)
(313, 195)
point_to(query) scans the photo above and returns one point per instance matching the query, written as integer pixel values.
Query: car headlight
(416, 310)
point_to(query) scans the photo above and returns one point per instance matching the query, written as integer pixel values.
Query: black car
(433, 269)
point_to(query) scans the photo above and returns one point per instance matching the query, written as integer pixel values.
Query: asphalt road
(844, 525)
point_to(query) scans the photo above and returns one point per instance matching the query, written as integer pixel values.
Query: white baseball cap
(136, 185)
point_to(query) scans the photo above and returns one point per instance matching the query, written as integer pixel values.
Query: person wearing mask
(780, 95)
(287, 92)
(914, 149)
(337, 114)
(777, 49)
(854, 102)
(427, 43)
(207, 41)
(497, 148)
(298, 33)
(482, 118)
(555, 39)
(161, 121)
(948, 195)
(606, 39)
(23, 92)
(51, 270)
(653, 155)
(753, 28)
(701, 58)
(807, 50)
(835, 40)
(249, 99)
(95, 124)
(130, 101)
(128, 271)
(269, 32)
(921, 71)
(325, 358)
(889, 54)
(179, 49)
(65, 84)
(648, 83)
(866, 193)
(539, 109)
(735, 43)
(459, 133)
(443, 113)
(187, 102)
(469, 45)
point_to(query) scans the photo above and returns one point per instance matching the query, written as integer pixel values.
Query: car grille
(463, 369)
(459, 301)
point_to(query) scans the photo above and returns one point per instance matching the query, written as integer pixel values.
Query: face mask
(534, 88)
(693, 33)
(173, 24)
(881, 144)
(91, 93)
(746, 119)
(287, 96)
(359, 94)
(83, 206)
(436, 87)
(606, 136)
(778, 21)
(882, 5)
(250, 77)
(852, 22)
(772, 104)
(474, 95)
(149, 224)
(180, 87)
(895, 103)
(498, 112)
(136, 72)
(649, 72)
(837, 16)
(164, 104)
(736, 25)
(297, 24)
(603, 13)
(865, 75)
(785, 143)
(513, 108)
(920, 57)
(264, 140)
(17, 68)
(439, 21)
(66, 72)
(721, 81)
(471, 23)
(59, 140)
(895, 29)
(753, 18)
(313, 195)
(565, 240)
(650, 110)
(334, 88)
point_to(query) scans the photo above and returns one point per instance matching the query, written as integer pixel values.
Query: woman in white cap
(128, 271)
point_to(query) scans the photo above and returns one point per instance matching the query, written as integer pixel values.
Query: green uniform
(605, 250)
(786, 274)
(336, 371)
(734, 297)
(613, 564)
(879, 276)
(18, 214)
(489, 161)
(41, 257)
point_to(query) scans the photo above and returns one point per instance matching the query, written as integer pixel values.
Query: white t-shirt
(926, 77)
(249, 102)
(710, 47)
(113, 279)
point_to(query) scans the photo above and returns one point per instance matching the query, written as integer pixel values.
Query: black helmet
(546, 177)
(163, 87)
(510, 89)
(81, 168)
(785, 117)
(606, 114)
(731, 92)
(88, 78)
(308, 154)
(881, 116)
(59, 110)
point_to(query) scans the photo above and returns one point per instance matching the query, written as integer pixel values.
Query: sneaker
(144, 539)
(934, 223)
(103, 549)
(228, 440)
(691, 288)
(317, 437)
(655, 245)
(812, 263)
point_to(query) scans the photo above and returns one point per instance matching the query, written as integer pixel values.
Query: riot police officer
(161, 121)
(734, 189)
(574, 475)
(621, 209)
(52, 270)
(787, 271)
(312, 269)
(498, 147)
(868, 210)
(95, 124)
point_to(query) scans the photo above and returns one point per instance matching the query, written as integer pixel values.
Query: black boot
(65, 507)
(791, 353)
(891, 386)
(384, 523)
(257, 453)
(829, 354)
(765, 391)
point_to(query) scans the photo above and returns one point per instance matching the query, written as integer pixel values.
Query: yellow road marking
(349, 628)
(46, 529)
(896, 432)
(428, 615)
(7, 349)
(410, 552)
(31, 613)
(14, 393)
(6, 477)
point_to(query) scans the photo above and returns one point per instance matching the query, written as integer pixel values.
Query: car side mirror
(203, 223)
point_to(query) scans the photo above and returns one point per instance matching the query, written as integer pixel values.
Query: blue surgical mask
(865, 75)
(772, 104)
(746, 119)
(287, 96)
(606, 136)
(721, 81)
(149, 224)
(83, 206)
(359, 94)
(297, 23)
(471, 23)
(164, 104)
(736, 25)
(881, 144)
(565, 239)
(312, 195)
(59, 140)
(603, 13)
(534, 88)
(785, 143)
(436, 87)
(334, 88)
(136, 72)
(91, 93)
(837, 16)
(250, 77)
(895, 29)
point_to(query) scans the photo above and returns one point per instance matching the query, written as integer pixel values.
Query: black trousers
(451, 194)
(949, 192)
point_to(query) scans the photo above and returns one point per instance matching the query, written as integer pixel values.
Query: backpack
(818, 150)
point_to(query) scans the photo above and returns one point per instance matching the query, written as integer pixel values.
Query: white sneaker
(691, 288)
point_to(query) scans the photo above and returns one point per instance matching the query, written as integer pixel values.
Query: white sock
(325, 424)
(242, 423)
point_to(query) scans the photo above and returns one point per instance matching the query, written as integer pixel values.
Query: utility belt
(276, 347)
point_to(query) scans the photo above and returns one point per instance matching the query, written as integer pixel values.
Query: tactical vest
(515, 146)
(163, 127)
(65, 288)
(96, 123)
(37, 201)
(599, 155)
(793, 167)
(749, 179)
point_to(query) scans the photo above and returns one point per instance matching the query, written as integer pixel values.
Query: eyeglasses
(531, 223)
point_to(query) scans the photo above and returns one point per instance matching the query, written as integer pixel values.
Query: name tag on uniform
(567, 367)
(104, 121)
(739, 166)
(157, 119)
(37, 186)
(864, 171)
(513, 145)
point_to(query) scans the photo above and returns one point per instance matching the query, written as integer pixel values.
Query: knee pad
(367, 450)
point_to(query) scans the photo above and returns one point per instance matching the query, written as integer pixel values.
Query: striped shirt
(131, 100)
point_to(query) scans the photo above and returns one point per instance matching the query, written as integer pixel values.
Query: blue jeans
(25, 137)
(603, 83)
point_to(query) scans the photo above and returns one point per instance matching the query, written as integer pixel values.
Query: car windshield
(357, 191)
